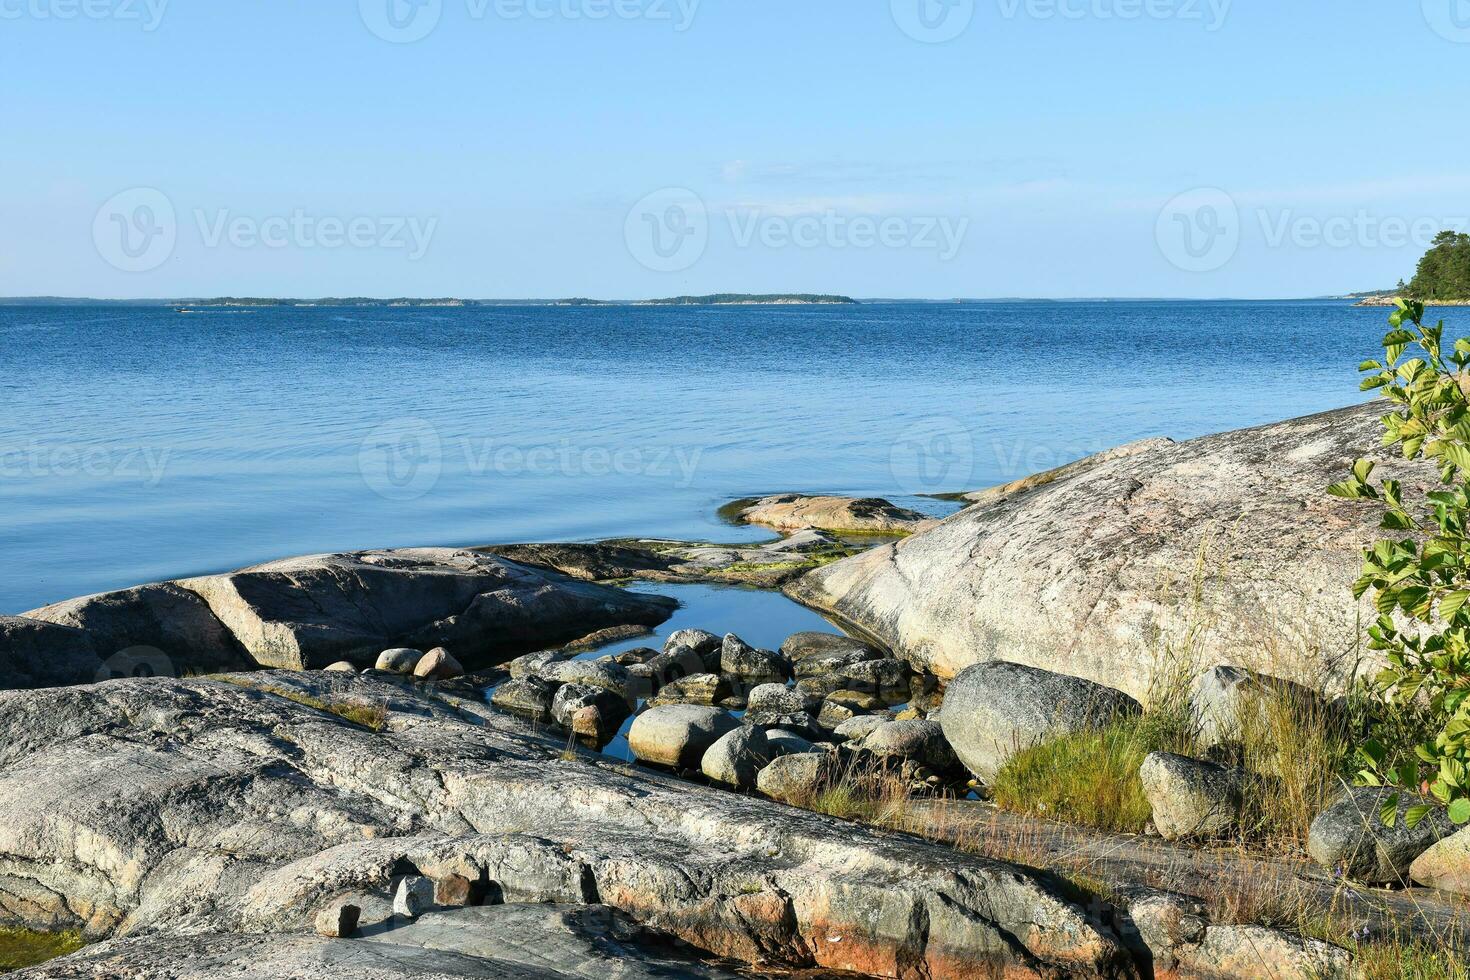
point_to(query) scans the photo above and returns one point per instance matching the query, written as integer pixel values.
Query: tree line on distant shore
(1444, 271)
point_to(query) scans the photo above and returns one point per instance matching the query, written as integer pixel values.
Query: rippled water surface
(140, 444)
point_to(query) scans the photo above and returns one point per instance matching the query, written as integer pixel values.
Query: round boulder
(398, 661)
(995, 709)
(737, 757)
(780, 699)
(529, 698)
(438, 665)
(706, 689)
(341, 667)
(1350, 836)
(740, 659)
(592, 712)
(1191, 798)
(796, 779)
(603, 673)
(678, 735)
(917, 741)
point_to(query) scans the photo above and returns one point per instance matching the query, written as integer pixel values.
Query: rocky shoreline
(387, 763)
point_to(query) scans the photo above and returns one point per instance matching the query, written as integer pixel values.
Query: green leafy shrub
(1424, 576)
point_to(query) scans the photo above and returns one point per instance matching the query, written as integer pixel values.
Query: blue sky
(533, 147)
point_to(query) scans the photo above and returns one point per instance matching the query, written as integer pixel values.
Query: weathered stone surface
(603, 673)
(856, 728)
(1191, 798)
(994, 710)
(164, 617)
(737, 756)
(798, 723)
(399, 660)
(701, 642)
(1445, 865)
(823, 664)
(593, 712)
(338, 920)
(1106, 561)
(678, 735)
(38, 654)
(1256, 951)
(740, 659)
(586, 562)
(780, 699)
(705, 689)
(413, 897)
(438, 665)
(495, 942)
(530, 698)
(804, 646)
(1350, 837)
(917, 741)
(795, 512)
(796, 778)
(341, 667)
(204, 806)
(1164, 925)
(535, 664)
(304, 613)
(1226, 698)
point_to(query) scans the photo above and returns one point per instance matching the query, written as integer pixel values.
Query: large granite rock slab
(508, 942)
(1094, 573)
(165, 809)
(133, 625)
(39, 654)
(304, 613)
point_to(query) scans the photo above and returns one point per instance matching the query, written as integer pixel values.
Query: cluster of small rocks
(437, 664)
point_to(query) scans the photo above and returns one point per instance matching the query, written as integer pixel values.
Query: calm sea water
(141, 444)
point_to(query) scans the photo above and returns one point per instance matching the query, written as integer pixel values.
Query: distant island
(1442, 278)
(716, 299)
(726, 299)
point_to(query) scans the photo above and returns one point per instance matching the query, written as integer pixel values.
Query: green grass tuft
(1088, 778)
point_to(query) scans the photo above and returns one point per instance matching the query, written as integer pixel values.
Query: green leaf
(1460, 811)
(1453, 602)
(1388, 812)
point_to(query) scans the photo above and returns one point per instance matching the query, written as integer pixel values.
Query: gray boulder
(780, 699)
(810, 645)
(438, 665)
(592, 712)
(738, 756)
(798, 512)
(678, 735)
(1089, 573)
(740, 659)
(913, 741)
(529, 698)
(304, 613)
(1349, 837)
(1445, 866)
(796, 779)
(536, 664)
(856, 728)
(414, 896)
(400, 660)
(1191, 798)
(603, 673)
(705, 689)
(799, 723)
(994, 710)
(1225, 698)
